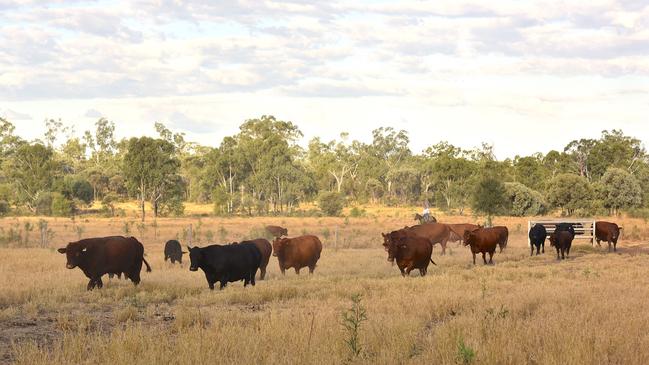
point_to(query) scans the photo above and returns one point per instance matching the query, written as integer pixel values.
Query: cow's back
(305, 250)
(115, 254)
(487, 237)
(434, 232)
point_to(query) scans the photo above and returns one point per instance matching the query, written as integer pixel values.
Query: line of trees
(263, 170)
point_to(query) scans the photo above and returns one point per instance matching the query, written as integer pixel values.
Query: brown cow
(107, 255)
(457, 231)
(562, 240)
(266, 250)
(277, 231)
(410, 253)
(433, 232)
(297, 252)
(483, 240)
(504, 236)
(609, 232)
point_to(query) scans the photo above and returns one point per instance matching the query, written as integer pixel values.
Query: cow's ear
(189, 248)
(62, 250)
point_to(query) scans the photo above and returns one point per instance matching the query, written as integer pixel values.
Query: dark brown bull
(277, 231)
(433, 232)
(483, 240)
(608, 232)
(457, 231)
(410, 253)
(504, 236)
(562, 240)
(108, 255)
(297, 252)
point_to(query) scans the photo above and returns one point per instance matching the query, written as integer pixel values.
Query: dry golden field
(588, 309)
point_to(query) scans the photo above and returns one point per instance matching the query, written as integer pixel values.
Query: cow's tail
(148, 268)
(431, 260)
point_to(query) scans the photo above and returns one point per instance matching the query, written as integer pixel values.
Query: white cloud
(438, 69)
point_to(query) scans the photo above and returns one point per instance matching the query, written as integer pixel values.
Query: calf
(562, 240)
(609, 232)
(483, 240)
(537, 236)
(174, 252)
(226, 264)
(277, 231)
(410, 253)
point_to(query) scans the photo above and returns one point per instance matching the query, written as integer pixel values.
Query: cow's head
(74, 252)
(469, 237)
(396, 245)
(195, 258)
(284, 232)
(279, 245)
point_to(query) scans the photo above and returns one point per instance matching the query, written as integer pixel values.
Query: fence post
(336, 238)
(43, 234)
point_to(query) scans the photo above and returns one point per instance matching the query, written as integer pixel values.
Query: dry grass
(588, 309)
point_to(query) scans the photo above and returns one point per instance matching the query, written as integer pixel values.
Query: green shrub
(61, 206)
(524, 201)
(4, 208)
(331, 203)
(356, 213)
(43, 204)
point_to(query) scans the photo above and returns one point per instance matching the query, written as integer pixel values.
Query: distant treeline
(262, 170)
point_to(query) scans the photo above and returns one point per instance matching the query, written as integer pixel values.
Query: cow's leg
(283, 270)
(614, 246)
(484, 258)
(252, 277)
(224, 282)
(99, 283)
(262, 273)
(598, 244)
(311, 269)
(210, 284)
(403, 271)
(473, 253)
(543, 246)
(422, 272)
(491, 257)
(297, 271)
(558, 257)
(444, 246)
(609, 245)
(532, 250)
(91, 284)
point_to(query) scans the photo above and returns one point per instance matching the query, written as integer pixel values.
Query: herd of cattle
(410, 247)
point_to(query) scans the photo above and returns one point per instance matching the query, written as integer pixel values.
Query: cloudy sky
(526, 76)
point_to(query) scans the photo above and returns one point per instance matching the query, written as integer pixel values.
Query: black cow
(174, 252)
(227, 263)
(537, 235)
(565, 227)
(562, 240)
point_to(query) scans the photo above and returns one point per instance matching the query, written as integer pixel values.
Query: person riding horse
(425, 217)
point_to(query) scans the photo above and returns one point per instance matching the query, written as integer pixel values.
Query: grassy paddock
(588, 309)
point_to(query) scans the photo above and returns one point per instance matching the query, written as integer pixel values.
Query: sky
(526, 76)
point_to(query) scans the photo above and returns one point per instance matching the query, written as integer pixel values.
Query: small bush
(331, 203)
(357, 213)
(43, 204)
(61, 206)
(352, 319)
(4, 208)
(465, 354)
